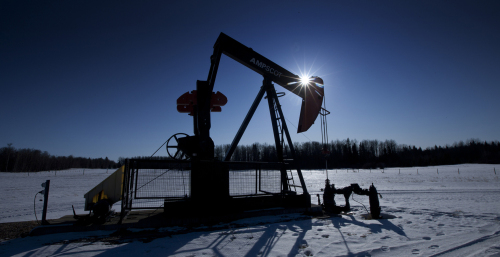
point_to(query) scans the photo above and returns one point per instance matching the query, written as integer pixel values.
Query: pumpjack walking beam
(312, 93)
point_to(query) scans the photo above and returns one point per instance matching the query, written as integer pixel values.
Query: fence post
(458, 170)
(494, 170)
(437, 170)
(256, 180)
(46, 186)
(417, 171)
(399, 171)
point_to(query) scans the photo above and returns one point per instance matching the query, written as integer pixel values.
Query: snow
(441, 211)
(67, 188)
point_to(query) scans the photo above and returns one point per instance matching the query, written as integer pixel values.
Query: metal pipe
(244, 125)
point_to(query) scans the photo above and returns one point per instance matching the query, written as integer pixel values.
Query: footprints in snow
(417, 251)
(324, 236)
(440, 233)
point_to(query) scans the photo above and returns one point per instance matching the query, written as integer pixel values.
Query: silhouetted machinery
(209, 177)
(330, 191)
(208, 191)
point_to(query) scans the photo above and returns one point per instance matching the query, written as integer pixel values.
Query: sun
(304, 80)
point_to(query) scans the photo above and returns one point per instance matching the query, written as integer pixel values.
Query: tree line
(370, 154)
(33, 160)
(311, 155)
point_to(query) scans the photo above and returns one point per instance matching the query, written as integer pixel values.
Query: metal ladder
(288, 162)
(281, 135)
(289, 177)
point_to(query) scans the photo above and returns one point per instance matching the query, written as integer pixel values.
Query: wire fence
(254, 182)
(148, 183)
(162, 183)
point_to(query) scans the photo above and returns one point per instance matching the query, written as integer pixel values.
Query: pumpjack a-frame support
(279, 127)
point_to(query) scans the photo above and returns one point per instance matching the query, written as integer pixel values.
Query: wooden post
(458, 170)
(417, 171)
(494, 170)
(437, 170)
(46, 185)
(399, 171)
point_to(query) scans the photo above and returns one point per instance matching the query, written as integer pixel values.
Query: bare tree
(9, 150)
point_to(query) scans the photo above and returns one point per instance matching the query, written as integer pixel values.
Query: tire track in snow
(474, 246)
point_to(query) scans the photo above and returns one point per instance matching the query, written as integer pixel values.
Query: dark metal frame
(130, 179)
(274, 106)
(133, 167)
(209, 181)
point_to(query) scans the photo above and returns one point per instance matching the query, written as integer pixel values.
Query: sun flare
(304, 80)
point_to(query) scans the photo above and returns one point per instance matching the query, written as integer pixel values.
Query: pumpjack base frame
(210, 193)
(208, 190)
(234, 205)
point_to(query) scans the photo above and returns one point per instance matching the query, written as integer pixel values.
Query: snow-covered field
(436, 211)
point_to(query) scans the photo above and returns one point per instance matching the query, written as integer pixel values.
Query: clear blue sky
(101, 78)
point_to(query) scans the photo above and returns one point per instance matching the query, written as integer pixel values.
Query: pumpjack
(210, 176)
(209, 188)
